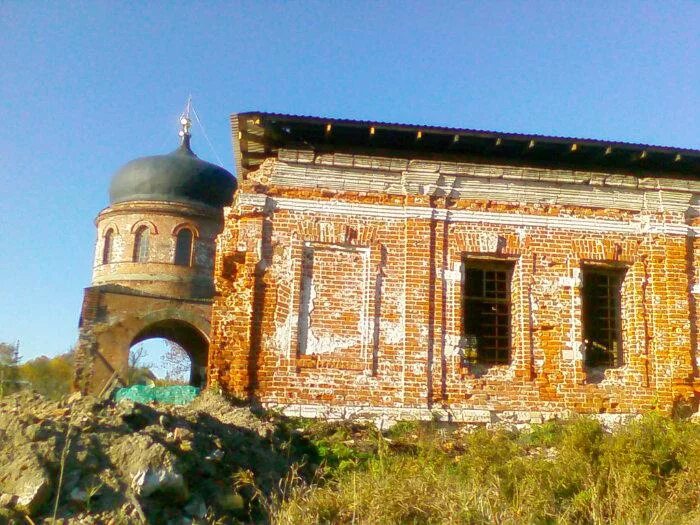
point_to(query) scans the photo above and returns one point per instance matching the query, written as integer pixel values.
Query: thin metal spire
(186, 124)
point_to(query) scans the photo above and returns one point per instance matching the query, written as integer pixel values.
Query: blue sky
(85, 87)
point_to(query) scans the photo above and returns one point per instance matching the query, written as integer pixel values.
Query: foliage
(558, 472)
(9, 362)
(51, 377)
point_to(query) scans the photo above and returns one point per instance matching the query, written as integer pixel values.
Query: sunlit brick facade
(394, 271)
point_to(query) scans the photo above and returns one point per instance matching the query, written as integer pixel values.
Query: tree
(177, 363)
(50, 376)
(139, 371)
(9, 362)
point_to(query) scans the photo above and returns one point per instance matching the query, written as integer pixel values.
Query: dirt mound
(127, 462)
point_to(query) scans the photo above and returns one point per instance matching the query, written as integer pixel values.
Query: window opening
(602, 316)
(305, 299)
(183, 247)
(487, 310)
(141, 244)
(107, 247)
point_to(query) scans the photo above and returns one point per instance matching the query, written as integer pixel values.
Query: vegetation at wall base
(646, 471)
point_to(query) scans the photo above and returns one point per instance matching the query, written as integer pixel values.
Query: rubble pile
(98, 461)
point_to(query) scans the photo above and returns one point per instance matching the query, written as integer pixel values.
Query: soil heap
(103, 462)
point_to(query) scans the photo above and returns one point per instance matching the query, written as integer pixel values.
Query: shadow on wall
(259, 299)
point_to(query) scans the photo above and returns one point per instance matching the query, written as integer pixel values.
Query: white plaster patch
(452, 275)
(393, 332)
(453, 347)
(328, 343)
(283, 333)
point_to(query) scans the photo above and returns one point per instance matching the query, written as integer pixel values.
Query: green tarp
(173, 395)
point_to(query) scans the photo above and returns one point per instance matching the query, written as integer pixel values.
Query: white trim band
(380, 211)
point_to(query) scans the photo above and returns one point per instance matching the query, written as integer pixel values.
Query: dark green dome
(179, 176)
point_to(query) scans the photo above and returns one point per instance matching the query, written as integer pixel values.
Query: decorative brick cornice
(378, 211)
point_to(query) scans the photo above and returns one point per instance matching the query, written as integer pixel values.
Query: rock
(160, 480)
(8, 500)
(182, 433)
(24, 478)
(36, 432)
(196, 507)
(231, 501)
(78, 495)
(34, 491)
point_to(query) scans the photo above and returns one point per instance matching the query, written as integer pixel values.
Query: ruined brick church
(385, 270)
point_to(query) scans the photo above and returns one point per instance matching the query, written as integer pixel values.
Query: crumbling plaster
(417, 220)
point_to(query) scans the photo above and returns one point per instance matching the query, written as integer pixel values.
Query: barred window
(487, 302)
(602, 315)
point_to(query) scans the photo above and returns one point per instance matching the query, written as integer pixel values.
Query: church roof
(258, 135)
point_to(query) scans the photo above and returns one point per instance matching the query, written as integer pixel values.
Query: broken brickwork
(340, 284)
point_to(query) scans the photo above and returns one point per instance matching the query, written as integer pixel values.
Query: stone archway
(114, 319)
(193, 341)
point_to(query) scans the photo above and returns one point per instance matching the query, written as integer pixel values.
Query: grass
(559, 472)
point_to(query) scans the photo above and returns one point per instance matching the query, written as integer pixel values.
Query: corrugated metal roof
(470, 131)
(271, 131)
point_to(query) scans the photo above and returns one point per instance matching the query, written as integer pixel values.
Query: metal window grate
(602, 316)
(487, 310)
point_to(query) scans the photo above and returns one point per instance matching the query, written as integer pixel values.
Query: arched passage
(188, 337)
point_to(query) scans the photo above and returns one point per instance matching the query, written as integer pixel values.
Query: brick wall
(158, 274)
(333, 302)
(130, 301)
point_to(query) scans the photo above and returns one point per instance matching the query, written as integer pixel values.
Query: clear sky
(85, 87)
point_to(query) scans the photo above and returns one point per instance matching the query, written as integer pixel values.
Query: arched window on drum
(184, 247)
(141, 244)
(107, 246)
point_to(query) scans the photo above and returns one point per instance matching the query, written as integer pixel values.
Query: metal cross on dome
(185, 121)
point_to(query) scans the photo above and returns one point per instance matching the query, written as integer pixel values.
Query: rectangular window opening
(601, 293)
(487, 310)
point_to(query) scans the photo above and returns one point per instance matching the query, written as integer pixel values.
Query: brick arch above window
(186, 226)
(152, 228)
(110, 227)
(184, 247)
